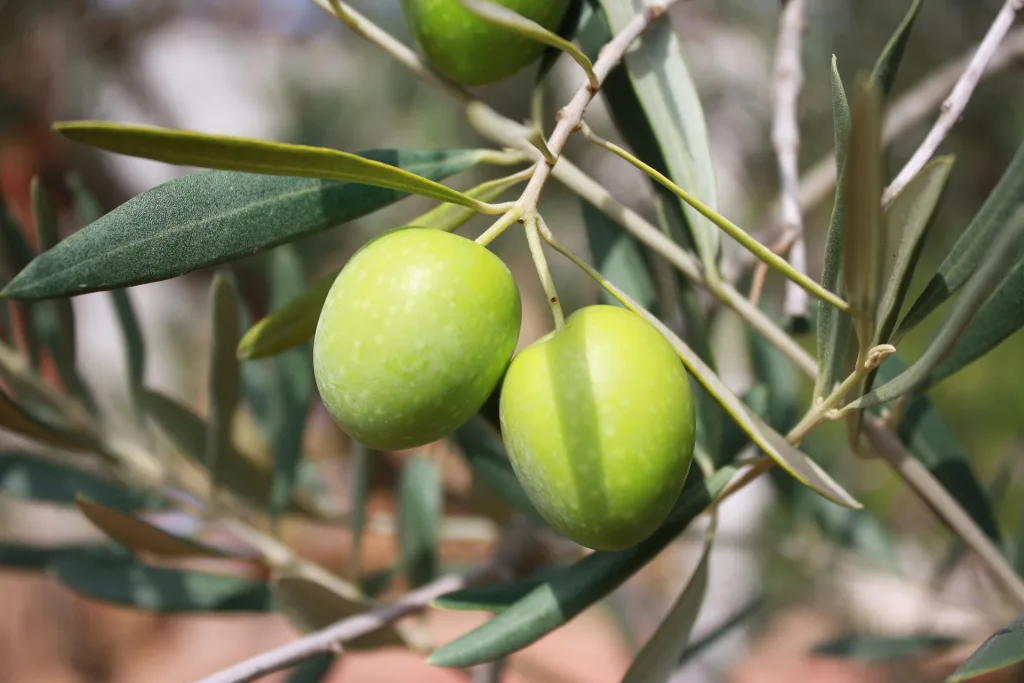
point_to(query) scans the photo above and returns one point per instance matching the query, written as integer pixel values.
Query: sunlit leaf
(971, 247)
(419, 517)
(1001, 650)
(123, 580)
(667, 94)
(27, 476)
(450, 217)
(291, 325)
(311, 605)
(659, 657)
(211, 217)
(140, 535)
(248, 155)
(576, 587)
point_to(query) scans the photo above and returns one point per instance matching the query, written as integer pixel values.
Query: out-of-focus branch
(789, 80)
(954, 105)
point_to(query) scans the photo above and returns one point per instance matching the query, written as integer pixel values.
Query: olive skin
(416, 332)
(599, 423)
(471, 51)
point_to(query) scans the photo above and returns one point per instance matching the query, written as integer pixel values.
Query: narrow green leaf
(618, 256)
(863, 235)
(660, 655)
(27, 476)
(311, 605)
(884, 648)
(966, 255)
(835, 328)
(15, 255)
(14, 418)
(248, 155)
(482, 448)
(360, 480)
(140, 535)
(578, 586)
(1003, 251)
(55, 320)
(888, 63)
(211, 217)
(313, 670)
(294, 373)
(36, 397)
(507, 18)
(667, 94)
(1000, 316)
(123, 580)
(723, 629)
(17, 556)
(290, 325)
(134, 344)
(1001, 650)
(906, 223)
(419, 516)
(929, 438)
(224, 379)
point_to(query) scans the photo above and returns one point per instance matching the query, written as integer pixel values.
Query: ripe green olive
(471, 51)
(415, 334)
(599, 424)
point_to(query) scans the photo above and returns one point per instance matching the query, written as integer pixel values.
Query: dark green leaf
(224, 379)
(579, 585)
(496, 597)
(139, 535)
(311, 605)
(667, 94)
(23, 475)
(360, 466)
(15, 255)
(991, 272)
(419, 516)
(16, 419)
(888, 63)
(207, 218)
(294, 372)
(660, 655)
(925, 433)
(123, 580)
(618, 257)
(485, 453)
(884, 648)
(1002, 649)
(134, 344)
(835, 328)
(966, 255)
(714, 635)
(18, 556)
(248, 155)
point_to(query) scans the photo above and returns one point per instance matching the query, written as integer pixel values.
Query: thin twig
(954, 105)
(543, 271)
(789, 79)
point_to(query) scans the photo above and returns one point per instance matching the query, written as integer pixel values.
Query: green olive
(599, 424)
(415, 334)
(471, 51)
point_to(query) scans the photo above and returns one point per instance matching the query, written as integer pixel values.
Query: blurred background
(284, 70)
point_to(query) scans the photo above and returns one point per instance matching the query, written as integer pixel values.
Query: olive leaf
(288, 326)
(619, 257)
(224, 377)
(970, 248)
(573, 588)
(667, 94)
(140, 535)
(211, 217)
(18, 556)
(254, 156)
(14, 418)
(15, 255)
(1001, 650)
(883, 648)
(27, 476)
(419, 516)
(120, 579)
